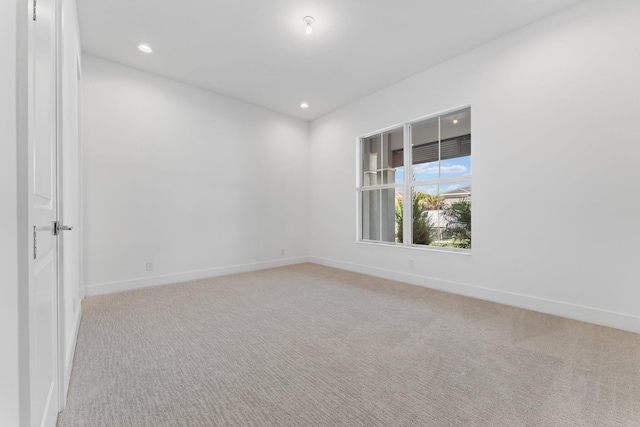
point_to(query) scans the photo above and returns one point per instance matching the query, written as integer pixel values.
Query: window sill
(466, 252)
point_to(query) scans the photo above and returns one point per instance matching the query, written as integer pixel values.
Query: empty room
(320, 213)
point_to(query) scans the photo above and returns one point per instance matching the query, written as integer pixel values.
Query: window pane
(456, 214)
(380, 214)
(393, 156)
(426, 216)
(391, 214)
(455, 145)
(424, 149)
(371, 215)
(371, 161)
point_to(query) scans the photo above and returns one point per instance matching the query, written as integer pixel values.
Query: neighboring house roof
(458, 193)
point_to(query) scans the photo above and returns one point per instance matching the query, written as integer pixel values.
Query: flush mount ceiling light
(145, 48)
(304, 105)
(308, 20)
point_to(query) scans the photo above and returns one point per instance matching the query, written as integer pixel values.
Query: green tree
(421, 225)
(433, 202)
(458, 216)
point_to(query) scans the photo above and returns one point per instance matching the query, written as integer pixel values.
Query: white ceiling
(258, 51)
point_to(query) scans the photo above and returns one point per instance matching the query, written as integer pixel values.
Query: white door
(43, 284)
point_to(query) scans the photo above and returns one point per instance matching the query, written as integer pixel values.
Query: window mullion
(360, 185)
(380, 181)
(438, 186)
(439, 151)
(407, 196)
(360, 171)
(380, 218)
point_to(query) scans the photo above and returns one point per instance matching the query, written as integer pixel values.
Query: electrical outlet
(75, 305)
(412, 263)
(149, 266)
(281, 252)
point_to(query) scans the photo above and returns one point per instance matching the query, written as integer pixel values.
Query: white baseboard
(126, 285)
(586, 314)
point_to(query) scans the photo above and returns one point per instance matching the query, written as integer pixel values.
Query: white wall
(9, 357)
(197, 183)
(555, 110)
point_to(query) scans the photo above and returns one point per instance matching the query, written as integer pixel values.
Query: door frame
(61, 339)
(66, 338)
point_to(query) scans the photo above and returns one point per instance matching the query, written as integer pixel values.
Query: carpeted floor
(312, 346)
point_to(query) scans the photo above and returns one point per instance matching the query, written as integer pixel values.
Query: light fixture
(145, 48)
(304, 105)
(308, 20)
(455, 121)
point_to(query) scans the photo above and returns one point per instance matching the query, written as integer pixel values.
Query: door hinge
(34, 9)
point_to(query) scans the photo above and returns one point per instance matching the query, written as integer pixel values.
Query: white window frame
(406, 185)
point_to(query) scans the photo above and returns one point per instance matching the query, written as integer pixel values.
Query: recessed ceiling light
(455, 121)
(308, 20)
(304, 105)
(145, 48)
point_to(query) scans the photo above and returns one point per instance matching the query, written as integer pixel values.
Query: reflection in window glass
(425, 150)
(371, 161)
(380, 214)
(393, 156)
(389, 214)
(455, 144)
(371, 215)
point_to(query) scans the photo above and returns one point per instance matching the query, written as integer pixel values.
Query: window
(382, 182)
(437, 182)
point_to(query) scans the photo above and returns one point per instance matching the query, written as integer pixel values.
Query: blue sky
(450, 168)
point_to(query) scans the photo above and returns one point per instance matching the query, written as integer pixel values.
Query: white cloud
(426, 168)
(432, 168)
(452, 168)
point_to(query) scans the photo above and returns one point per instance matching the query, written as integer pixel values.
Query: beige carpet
(313, 346)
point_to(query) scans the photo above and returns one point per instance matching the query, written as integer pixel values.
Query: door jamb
(61, 333)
